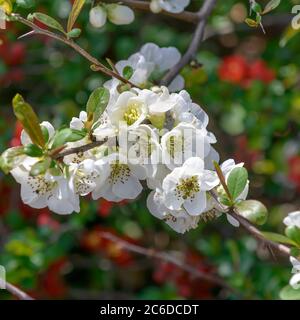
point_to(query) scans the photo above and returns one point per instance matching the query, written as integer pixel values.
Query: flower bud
(155, 7)
(98, 17)
(253, 210)
(119, 14)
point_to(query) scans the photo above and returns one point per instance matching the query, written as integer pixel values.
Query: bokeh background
(248, 82)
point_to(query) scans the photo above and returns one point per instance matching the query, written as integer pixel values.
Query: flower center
(186, 188)
(84, 181)
(174, 145)
(132, 114)
(119, 172)
(39, 185)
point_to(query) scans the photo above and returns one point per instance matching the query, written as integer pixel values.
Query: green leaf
(40, 167)
(251, 23)
(273, 4)
(74, 33)
(98, 101)
(256, 7)
(48, 21)
(237, 181)
(253, 210)
(127, 72)
(289, 293)
(293, 233)
(67, 135)
(276, 237)
(33, 150)
(25, 3)
(76, 9)
(25, 114)
(11, 158)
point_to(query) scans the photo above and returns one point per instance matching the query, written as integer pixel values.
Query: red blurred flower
(187, 285)
(95, 242)
(105, 207)
(243, 152)
(294, 170)
(259, 70)
(45, 219)
(16, 140)
(233, 69)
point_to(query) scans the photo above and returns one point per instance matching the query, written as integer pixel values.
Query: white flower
(79, 123)
(295, 280)
(174, 6)
(179, 220)
(122, 179)
(119, 14)
(98, 16)
(186, 187)
(45, 190)
(129, 108)
(85, 176)
(185, 141)
(293, 219)
(144, 148)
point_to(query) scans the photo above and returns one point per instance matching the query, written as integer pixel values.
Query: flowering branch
(186, 16)
(202, 14)
(152, 253)
(21, 295)
(96, 64)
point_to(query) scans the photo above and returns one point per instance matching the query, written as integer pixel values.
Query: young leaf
(6, 6)
(67, 135)
(77, 7)
(25, 3)
(74, 33)
(237, 181)
(40, 167)
(253, 210)
(256, 7)
(32, 150)
(279, 238)
(11, 158)
(289, 293)
(127, 72)
(98, 101)
(251, 23)
(25, 114)
(293, 233)
(273, 4)
(48, 21)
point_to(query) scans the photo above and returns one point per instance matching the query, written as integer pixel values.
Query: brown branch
(186, 16)
(283, 249)
(164, 256)
(99, 66)
(190, 54)
(83, 148)
(21, 295)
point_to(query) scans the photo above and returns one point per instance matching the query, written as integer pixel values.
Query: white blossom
(174, 6)
(186, 186)
(293, 219)
(295, 279)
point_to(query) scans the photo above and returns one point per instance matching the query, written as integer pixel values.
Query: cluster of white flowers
(293, 221)
(120, 14)
(115, 13)
(150, 135)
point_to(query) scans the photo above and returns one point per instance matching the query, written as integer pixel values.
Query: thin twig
(21, 295)
(198, 36)
(79, 149)
(283, 249)
(186, 16)
(164, 256)
(101, 67)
